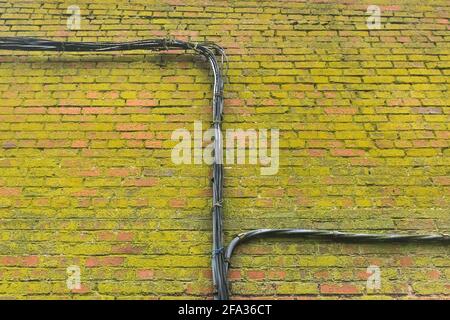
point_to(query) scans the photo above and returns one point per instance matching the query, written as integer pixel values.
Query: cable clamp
(241, 235)
(193, 45)
(164, 43)
(217, 204)
(216, 252)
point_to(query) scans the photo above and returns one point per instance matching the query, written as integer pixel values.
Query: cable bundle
(220, 256)
(336, 236)
(209, 51)
(33, 44)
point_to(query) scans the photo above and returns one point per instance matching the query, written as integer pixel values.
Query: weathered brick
(86, 176)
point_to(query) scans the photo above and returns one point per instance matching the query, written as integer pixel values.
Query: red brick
(406, 261)
(256, 275)
(279, 275)
(121, 172)
(126, 249)
(347, 152)
(79, 144)
(443, 181)
(94, 172)
(125, 236)
(137, 135)
(234, 275)
(153, 144)
(30, 261)
(346, 110)
(106, 236)
(64, 110)
(98, 110)
(145, 274)
(104, 261)
(143, 182)
(84, 288)
(434, 274)
(5, 191)
(85, 193)
(177, 203)
(142, 103)
(339, 289)
(317, 152)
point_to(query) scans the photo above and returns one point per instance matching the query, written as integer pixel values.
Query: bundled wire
(209, 51)
(221, 256)
(335, 236)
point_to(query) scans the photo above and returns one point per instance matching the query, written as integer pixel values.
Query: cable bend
(220, 258)
(209, 51)
(334, 235)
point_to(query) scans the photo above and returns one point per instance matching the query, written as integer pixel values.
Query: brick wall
(86, 177)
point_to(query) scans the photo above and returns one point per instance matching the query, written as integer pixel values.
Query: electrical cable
(209, 51)
(221, 256)
(336, 236)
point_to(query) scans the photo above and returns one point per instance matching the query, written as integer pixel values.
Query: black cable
(220, 256)
(209, 51)
(336, 236)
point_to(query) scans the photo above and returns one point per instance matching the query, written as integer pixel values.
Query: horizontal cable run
(221, 255)
(336, 236)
